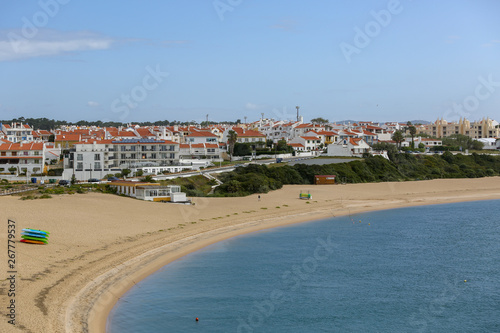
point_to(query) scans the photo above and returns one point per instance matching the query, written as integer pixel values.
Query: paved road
(322, 161)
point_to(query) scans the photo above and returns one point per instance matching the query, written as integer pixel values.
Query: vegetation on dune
(195, 186)
(402, 167)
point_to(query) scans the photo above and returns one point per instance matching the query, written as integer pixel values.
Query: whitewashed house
(348, 147)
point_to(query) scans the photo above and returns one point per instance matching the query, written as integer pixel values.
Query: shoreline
(128, 240)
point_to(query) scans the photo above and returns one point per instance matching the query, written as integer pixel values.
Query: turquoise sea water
(399, 270)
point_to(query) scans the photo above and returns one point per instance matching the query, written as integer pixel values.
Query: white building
(23, 157)
(17, 132)
(150, 192)
(348, 147)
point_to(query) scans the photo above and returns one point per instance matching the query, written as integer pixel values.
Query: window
(3, 154)
(123, 156)
(172, 148)
(79, 157)
(153, 155)
(37, 153)
(172, 156)
(122, 148)
(97, 165)
(133, 156)
(25, 153)
(97, 157)
(79, 165)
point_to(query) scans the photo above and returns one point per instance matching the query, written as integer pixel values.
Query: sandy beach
(101, 245)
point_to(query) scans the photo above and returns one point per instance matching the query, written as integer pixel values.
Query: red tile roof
(67, 137)
(247, 133)
(202, 134)
(22, 146)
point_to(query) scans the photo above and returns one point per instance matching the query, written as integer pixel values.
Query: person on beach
(259, 197)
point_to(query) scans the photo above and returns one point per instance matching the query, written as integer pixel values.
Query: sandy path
(101, 245)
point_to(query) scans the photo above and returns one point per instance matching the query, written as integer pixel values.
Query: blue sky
(180, 60)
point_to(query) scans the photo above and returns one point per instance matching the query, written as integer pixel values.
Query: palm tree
(413, 130)
(231, 140)
(398, 138)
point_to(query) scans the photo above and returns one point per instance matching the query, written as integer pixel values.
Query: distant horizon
(211, 123)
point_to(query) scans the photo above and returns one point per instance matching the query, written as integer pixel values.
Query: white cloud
(14, 46)
(251, 106)
(491, 43)
(92, 104)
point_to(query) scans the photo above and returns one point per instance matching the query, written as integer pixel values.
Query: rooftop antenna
(245, 119)
(297, 107)
(262, 114)
(207, 120)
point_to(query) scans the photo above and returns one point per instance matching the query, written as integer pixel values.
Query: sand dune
(101, 244)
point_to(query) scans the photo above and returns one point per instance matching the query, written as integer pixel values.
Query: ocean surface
(423, 269)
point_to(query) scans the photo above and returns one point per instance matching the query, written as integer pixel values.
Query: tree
(241, 149)
(269, 143)
(398, 138)
(476, 145)
(231, 140)
(319, 120)
(126, 172)
(413, 130)
(283, 146)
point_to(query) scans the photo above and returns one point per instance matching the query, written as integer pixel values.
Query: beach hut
(324, 179)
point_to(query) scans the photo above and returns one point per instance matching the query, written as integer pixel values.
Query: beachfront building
(97, 158)
(150, 192)
(90, 159)
(17, 132)
(485, 128)
(199, 151)
(132, 153)
(22, 158)
(348, 147)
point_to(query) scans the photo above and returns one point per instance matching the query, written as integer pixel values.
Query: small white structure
(348, 147)
(170, 193)
(150, 191)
